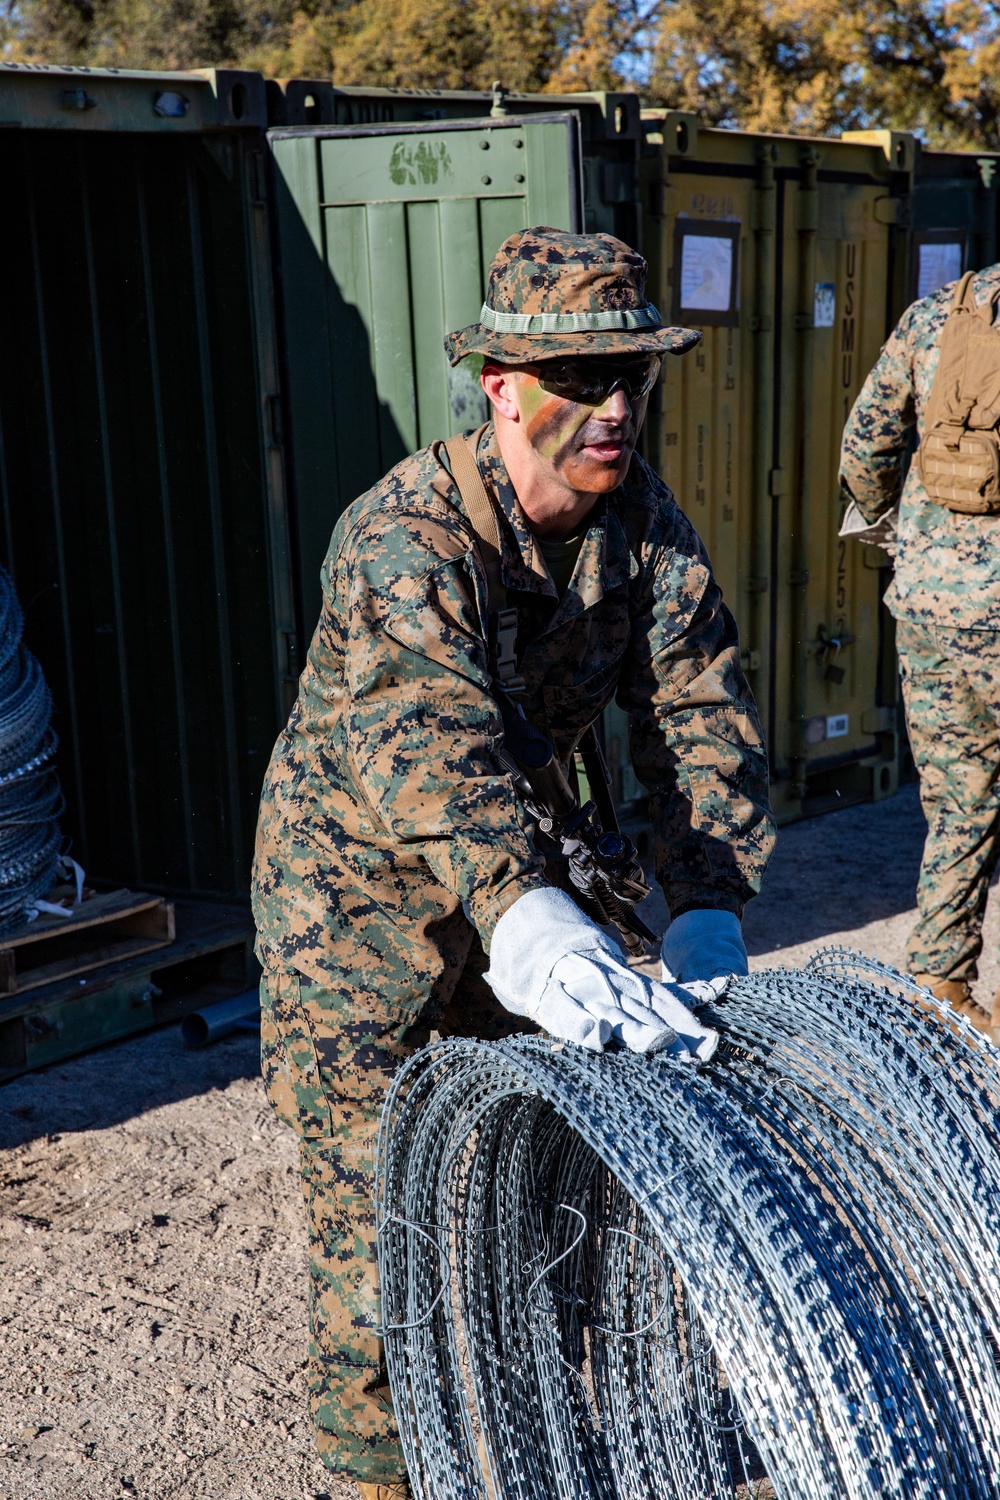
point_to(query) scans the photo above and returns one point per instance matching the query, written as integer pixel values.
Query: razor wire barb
(609, 1276)
(30, 800)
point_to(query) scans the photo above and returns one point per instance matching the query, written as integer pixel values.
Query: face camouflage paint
(588, 448)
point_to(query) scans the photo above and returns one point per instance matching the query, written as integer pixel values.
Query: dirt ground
(153, 1295)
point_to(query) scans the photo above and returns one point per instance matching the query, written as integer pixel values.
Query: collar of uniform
(525, 568)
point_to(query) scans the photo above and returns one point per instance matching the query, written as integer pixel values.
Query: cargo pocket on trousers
(288, 1058)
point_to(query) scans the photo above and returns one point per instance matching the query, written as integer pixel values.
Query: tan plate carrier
(959, 453)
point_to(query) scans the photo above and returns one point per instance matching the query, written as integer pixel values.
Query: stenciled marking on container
(422, 165)
(848, 325)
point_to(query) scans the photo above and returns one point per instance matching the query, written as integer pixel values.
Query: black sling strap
(503, 624)
(479, 507)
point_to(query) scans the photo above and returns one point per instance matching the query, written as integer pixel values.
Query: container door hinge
(275, 425)
(798, 577)
(258, 171)
(756, 585)
(750, 661)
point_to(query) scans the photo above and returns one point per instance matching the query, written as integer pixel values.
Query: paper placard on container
(824, 304)
(937, 264)
(706, 273)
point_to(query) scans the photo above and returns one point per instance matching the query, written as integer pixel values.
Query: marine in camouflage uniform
(945, 596)
(391, 840)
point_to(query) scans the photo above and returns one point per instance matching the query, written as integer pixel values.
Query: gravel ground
(153, 1297)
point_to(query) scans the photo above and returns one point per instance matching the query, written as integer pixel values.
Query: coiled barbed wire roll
(611, 1276)
(30, 799)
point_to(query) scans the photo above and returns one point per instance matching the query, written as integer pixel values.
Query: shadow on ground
(840, 871)
(828, 875)
(119, 1082)
(832, 874)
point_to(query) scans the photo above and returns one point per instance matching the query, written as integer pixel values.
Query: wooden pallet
(210, 959)
(103, 930)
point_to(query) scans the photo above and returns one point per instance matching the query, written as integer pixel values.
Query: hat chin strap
(589, 322)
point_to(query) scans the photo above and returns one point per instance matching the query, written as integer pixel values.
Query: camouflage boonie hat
(552, 294)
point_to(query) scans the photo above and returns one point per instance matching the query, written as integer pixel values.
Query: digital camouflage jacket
(947, 565)
(390, 751)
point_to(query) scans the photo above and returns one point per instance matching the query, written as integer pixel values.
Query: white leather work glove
(701, 951)
(554, 965)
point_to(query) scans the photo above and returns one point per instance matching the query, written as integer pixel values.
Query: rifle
(603, 862)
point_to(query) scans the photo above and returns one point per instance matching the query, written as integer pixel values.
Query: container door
(140, 493)
(782, 252)
(953, 218)
(385, 234)
(835, 703)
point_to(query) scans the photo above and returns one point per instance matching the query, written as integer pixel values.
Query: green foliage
(144, 33)
(802, 65)
(819, 67)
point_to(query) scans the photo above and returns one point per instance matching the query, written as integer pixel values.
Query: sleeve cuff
(688, 898)
(487, 914)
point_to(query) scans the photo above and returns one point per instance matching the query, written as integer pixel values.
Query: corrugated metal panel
(95, 100)
(782, 250)
(142, 510)
(610, 131)
(385, 235)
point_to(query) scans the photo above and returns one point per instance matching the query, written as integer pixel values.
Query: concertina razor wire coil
(614, 1276)
(30, 800)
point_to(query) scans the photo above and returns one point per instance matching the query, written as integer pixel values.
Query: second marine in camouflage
(394, 852)
(945, 596)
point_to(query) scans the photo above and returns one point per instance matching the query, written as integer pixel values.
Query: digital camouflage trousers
(951, 689)
(328, 1059)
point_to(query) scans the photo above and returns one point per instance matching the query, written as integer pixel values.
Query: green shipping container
(385, 233)
(144, 435)
(372, 271)
(205, 318)
(610, 131)
(140, 481)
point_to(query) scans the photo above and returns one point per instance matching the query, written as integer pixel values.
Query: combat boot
(958, 994)
(392, 1489)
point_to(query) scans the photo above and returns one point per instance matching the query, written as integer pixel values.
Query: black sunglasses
(591, 380)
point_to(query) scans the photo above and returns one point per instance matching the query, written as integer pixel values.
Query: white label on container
(824, 305)
(936, 266)
(837, 725)
(706, 272)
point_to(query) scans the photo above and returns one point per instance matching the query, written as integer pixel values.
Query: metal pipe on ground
(212, 1022)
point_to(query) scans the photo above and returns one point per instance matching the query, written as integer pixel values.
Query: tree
(814, 66)
(817, 67)
(143, 33)
(430, 43)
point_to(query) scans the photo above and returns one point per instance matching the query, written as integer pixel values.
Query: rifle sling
(479, 508)
(598, 779)
(480, 511)
(503, 621)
